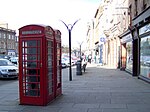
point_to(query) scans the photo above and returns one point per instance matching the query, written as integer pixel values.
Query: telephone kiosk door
(30, 72)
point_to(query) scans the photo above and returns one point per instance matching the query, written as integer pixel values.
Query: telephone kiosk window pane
(31, 43)
(50, 43)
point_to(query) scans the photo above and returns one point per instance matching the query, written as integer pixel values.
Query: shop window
(129, 60)
(145, 57)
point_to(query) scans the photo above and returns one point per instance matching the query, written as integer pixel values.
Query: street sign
(102, 39)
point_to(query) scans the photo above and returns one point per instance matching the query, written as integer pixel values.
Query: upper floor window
(4, 35)
(136, 11)
(9, 36)
(12, 37)
(130, 14)
(144, 5)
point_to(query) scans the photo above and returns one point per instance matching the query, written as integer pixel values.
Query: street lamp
(6, 35)
(80, 49)
(69, 28)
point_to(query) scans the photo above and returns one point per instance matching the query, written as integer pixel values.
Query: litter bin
(79, 67)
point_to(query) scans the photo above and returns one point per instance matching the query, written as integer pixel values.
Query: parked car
(63, 63)
(14, 60)
(8, 69)
(1, 56)
(67, 61)
(7, 57)
(74, 60)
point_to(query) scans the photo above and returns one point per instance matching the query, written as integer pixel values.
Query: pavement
(99, 89)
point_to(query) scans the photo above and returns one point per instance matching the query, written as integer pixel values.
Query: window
(12, 37)
(130, 14)
(9, 36)
(136, 12)
(145, 57)
(129, 62)
(144, 5)
(4, 35)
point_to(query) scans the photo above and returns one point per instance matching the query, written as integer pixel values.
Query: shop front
(144, 34)
(126, 52)
(141, 31)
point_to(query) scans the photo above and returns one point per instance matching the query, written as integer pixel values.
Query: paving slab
(99, 89)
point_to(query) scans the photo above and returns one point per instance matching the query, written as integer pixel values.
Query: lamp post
(80, 49)
(69, 28)
(6, 35)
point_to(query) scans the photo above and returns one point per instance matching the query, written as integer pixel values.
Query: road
(6, 81)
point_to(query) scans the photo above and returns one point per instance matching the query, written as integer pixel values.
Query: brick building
(8, 42)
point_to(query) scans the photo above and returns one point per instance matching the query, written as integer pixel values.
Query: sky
(18, 13)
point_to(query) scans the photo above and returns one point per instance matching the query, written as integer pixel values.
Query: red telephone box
(58, 63)
(37, 77)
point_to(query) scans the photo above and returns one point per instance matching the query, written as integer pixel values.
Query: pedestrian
(84, 63)
(90, 58)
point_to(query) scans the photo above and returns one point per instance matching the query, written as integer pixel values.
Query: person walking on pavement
(84, 63)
